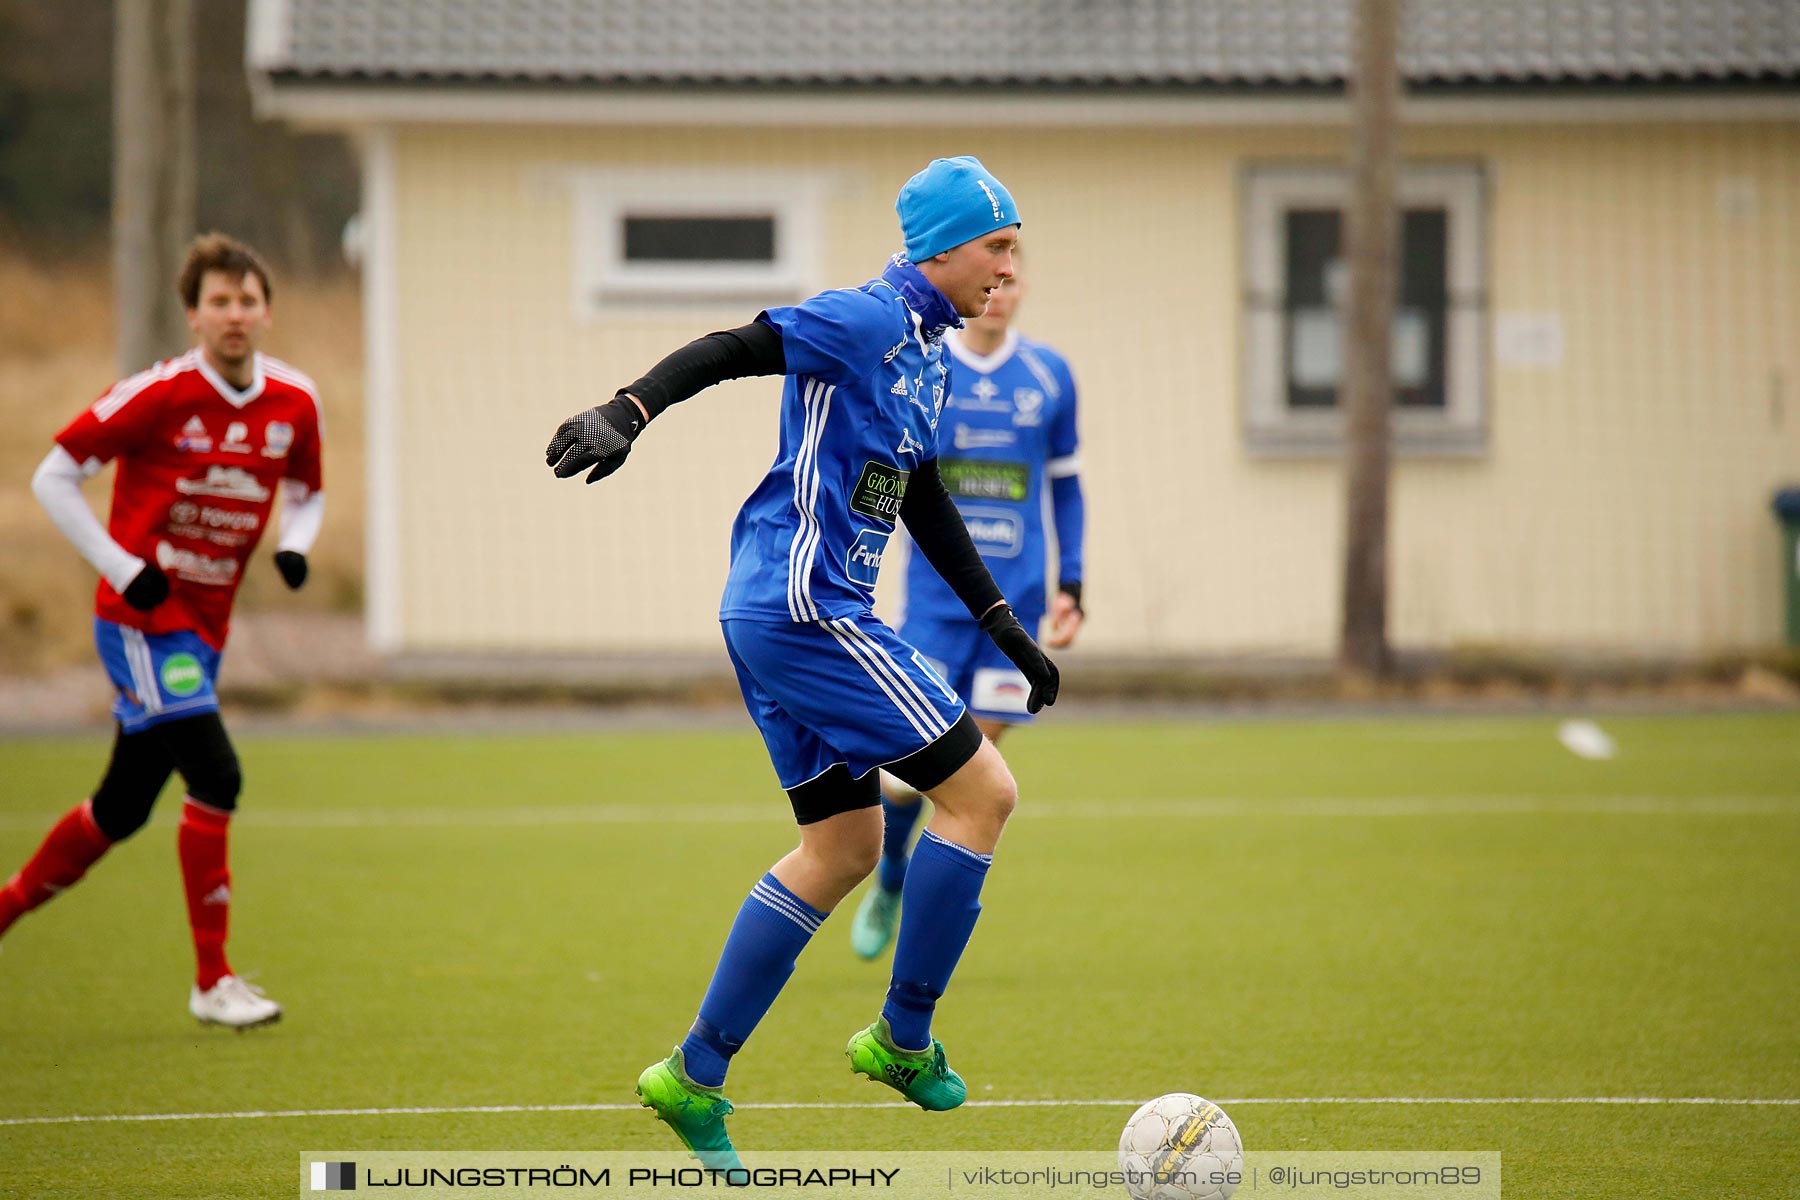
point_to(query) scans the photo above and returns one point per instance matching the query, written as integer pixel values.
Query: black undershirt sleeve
(939, 532)
(753, 349)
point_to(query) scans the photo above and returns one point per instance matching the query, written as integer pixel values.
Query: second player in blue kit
(1009, 453)
(837, 695)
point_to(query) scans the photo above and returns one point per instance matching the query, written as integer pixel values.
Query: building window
(1297, 281)
(720, 239)
(694, 238)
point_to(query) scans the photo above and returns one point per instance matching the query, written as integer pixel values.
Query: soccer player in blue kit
(837, 694)
(1009, 440)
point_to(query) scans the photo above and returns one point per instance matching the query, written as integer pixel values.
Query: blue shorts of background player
(158, 677)
(975, 669)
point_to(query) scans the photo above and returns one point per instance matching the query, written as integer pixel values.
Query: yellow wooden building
(1597, 343)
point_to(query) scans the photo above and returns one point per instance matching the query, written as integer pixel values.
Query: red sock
(69, 849)
(201, 842)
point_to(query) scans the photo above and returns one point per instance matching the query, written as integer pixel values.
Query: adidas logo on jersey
(194, 437)
(899, 388)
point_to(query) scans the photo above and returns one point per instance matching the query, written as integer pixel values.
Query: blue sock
(897, 821)
(771, 930)
(937, 915)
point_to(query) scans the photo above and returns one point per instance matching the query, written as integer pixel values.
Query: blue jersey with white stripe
(866, 385)
(1008, 429)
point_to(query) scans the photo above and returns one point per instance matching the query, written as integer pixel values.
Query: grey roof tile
(1141, 43)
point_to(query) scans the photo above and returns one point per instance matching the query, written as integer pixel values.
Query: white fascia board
(351, 106)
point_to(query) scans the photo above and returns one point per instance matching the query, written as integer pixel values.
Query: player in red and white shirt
(204, 443)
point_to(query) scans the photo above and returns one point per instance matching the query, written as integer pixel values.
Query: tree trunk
(153, 175)
(1370, 238)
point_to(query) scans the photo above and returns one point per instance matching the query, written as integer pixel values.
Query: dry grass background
(56, 356)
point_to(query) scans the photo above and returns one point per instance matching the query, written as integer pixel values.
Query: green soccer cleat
(924, 1078)
(876, 919)
(696, 1114)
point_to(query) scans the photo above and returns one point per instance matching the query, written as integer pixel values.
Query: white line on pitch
(775, 812)
(433, 1110)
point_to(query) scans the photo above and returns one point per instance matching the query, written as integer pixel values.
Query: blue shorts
(849, 692)
(159, 676)
(967, 658)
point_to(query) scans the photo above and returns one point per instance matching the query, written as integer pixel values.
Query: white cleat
(235, 1003)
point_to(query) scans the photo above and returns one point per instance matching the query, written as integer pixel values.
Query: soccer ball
(1180, 1147)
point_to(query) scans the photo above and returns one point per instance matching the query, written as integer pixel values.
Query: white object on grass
(1586, 739)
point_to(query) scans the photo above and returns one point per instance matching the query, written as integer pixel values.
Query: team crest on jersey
(278, 437)
(1028, 406)
(194, 437)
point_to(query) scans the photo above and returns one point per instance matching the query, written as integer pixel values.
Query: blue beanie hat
(950, 202)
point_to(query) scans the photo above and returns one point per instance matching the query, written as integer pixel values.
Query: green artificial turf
(1257, 912)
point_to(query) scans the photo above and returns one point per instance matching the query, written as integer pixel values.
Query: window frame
(606, 284)
(1271, 426)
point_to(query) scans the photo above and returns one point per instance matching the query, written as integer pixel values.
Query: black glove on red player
(147, 589)
(292, 565)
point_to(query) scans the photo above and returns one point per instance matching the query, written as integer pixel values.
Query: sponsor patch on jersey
(968, 437)
(195, 567)
(181, 675)
(879, 492)
(980, 479)
(995, 689)
(996, 532)
(232, 483)
(863, 563)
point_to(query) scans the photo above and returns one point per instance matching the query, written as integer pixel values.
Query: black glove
(147, 589)
(292, 565)
(599, 438)
(1000, 624)
(1072, 589)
